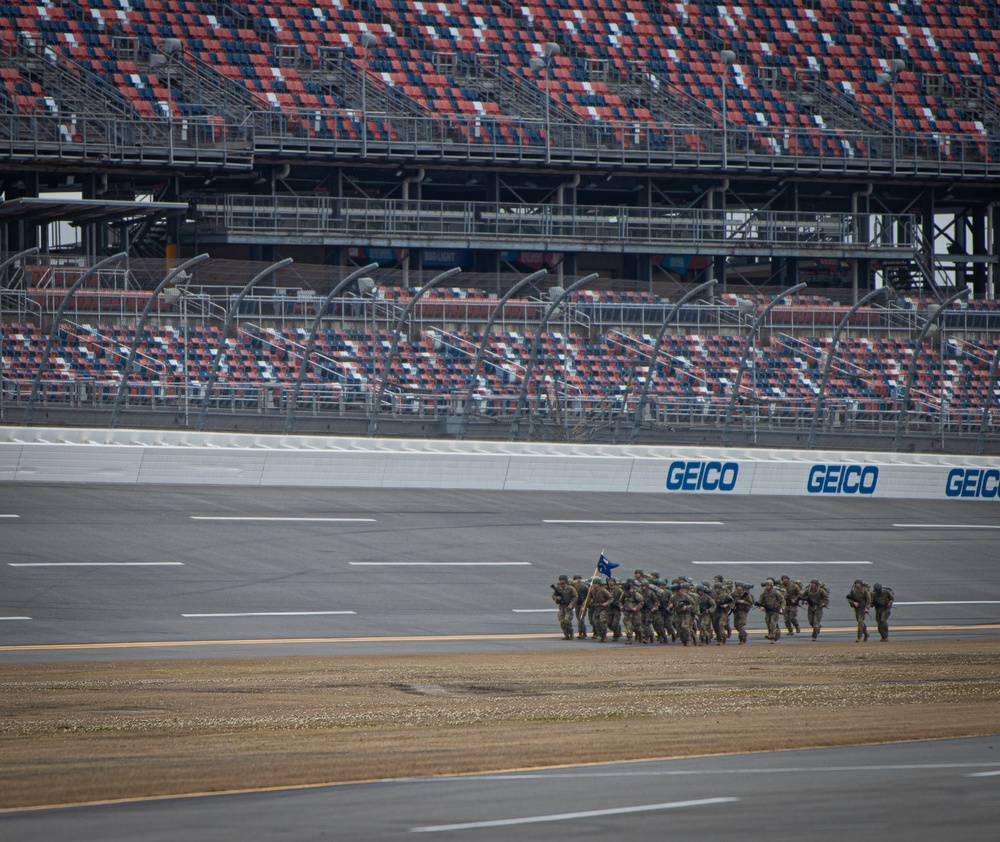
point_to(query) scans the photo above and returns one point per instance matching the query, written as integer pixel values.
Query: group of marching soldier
(645, 608)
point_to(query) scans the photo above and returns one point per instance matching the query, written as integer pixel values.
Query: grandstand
(655, 145)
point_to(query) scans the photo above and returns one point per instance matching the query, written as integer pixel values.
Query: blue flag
(604, 567)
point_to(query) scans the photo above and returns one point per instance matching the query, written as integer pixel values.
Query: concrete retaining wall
(145, 456)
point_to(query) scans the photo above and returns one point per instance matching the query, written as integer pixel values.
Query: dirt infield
(94, 731)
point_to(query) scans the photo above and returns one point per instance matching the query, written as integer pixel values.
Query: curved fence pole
(386, 372)
(828, 365)
(911, 372)
(230, 315)
(140, 326)
(11, 260)
(56, 320)
(985, 421)
(481, 350)
(515, 424)
(311, 342)
(644, 394)
(746, 352)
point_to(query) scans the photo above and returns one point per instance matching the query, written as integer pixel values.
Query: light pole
(220, 352)
(743, 359)
(545, 63)
(888, 80)
(311, 341)
(387, 369)
(36, 384)
(178, 273)
(515, 424)
(367, 42)
(728, 58)
(904, 406)
(3, 269)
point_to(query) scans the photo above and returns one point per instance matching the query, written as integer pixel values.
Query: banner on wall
(375, 254)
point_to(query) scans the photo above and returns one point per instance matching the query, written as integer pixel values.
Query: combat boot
(866, 635)
(582, 636)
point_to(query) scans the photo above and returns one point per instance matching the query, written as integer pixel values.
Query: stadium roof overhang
(46, 209)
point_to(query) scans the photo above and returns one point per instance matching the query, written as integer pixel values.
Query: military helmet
(598, 580)
(859, 582)
(878, 587)
(814, 581)
(630, 581)
(655, 574)
(563, 577)
(717, 585)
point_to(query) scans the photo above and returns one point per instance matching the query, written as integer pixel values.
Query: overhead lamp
(727, 57)
(368, 40)
(366, 286)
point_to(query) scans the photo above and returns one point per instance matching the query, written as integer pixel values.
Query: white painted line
(781, 562)
(945, 526)
(645, 522)
(15, 618)
(439, 563)
(266, 519)
(585, 814)
(96, 564)
(955, 602)
(992, 774)
(534, 610)
(273, 614)
(9, 515)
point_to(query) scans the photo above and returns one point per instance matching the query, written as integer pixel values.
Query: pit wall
(38, 454)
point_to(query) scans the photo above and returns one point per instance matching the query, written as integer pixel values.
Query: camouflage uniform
(882, 600)
(728, 587)
(581, 597)
(614, 608)
(632, 603)
(706, 608)
(650, 612)
(724, 603)
(772, 603)
(816, 598)
(564, 595)
(684, 607)
(792, 589)
(743, 601)
(860, 598)
(597, 609)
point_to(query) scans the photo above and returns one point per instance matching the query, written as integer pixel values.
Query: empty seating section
(282, 54)
(783, 372)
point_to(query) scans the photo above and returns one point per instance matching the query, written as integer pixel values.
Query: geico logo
(973, 482)
(702, 476)
(842, 479)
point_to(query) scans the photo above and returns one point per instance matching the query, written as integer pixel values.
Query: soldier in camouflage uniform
(706, 608)
(652, 623)
(613, 606)
(860, 599)
(792, 590)
(816, 597)
(882, 600)
(728, 587)
(564, 595)
(724, 603)
(632, 603)
(659, 617)
(597, 609)
(581, 597)
(744, 601)
(772, 603)
(684, 607)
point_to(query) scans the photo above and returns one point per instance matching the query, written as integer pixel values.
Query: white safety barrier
(149, 456)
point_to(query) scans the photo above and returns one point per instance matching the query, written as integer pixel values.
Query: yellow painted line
(443, 638)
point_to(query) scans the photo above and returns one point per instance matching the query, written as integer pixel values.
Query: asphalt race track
(109, 571)
(919, 792)
(99, 572)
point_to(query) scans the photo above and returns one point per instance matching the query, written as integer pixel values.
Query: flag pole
(586, 599)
